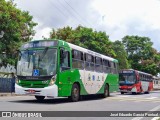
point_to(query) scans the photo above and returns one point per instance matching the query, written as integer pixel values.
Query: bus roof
(91, 52)
(138, 71)
(72, 46)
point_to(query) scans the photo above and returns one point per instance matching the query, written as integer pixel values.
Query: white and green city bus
(57, 68)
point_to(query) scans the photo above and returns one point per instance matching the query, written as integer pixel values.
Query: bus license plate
(31, 91)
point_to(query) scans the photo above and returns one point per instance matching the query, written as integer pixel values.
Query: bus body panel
(145, 86)
(142, 82)
(112, 81)
(90, 82)
(46, 91)
(67, 80)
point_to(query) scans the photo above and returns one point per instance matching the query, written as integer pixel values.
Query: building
(156, 82)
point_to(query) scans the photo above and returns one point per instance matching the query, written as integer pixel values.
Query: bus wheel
(122, 92)
(134, 93)
(106, 91)
(147, 92)
(40, 98)
(75, 93)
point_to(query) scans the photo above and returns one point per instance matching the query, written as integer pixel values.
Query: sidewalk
(7, 94)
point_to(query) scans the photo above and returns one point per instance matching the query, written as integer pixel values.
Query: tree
(141, 54)
(85, 37)
(17, 27)
(121, 55)
(152, 64)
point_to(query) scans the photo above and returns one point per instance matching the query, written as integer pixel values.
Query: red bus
(133, 81)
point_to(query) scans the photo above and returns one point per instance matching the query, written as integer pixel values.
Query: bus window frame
(77, 60)
(89, 62)
(64, 53)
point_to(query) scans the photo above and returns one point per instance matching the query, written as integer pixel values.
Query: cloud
(58, 13)
(130, 17)
(116, 17)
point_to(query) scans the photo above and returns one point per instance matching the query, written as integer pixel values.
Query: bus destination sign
(127, 71)
(36, 44)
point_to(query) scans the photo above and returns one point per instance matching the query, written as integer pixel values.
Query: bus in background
(56, 68)
(156, 83)
(134, 81)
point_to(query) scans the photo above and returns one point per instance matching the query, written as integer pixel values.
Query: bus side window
(106, 66)
(77, 59)
(113, 67)
(116, 68)
(64, 60)
(89, 62)
(98, 64)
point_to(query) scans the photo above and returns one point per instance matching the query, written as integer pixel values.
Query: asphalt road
(116, 102)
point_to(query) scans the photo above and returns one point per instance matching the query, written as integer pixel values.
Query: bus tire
(40, 98)
(75, 93)
(134, 93)
(147, 92)
(106, 91)
(122, 92)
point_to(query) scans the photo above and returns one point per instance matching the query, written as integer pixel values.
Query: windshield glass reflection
(37, 62)
(127, 78)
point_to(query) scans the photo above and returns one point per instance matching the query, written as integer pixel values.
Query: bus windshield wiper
(28, 57)
(43, 54)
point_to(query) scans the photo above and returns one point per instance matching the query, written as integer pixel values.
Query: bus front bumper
(47, 91)
(128, 90)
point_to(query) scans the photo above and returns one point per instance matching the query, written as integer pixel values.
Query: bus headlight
(53, 79)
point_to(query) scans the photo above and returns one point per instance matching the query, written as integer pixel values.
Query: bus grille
(31, 85)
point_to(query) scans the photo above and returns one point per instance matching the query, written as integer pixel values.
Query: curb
(7, 94)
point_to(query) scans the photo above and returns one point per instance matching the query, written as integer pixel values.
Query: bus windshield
(40, 62)
(127, 78)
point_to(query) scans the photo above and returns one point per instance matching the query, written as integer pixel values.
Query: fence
(7, 85)
(7, 80)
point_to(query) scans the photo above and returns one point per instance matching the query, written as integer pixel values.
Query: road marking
(152, 98)
(154, 109)
(155, 101)
(122, 100)
(155, 118)
(135, 98)
(124, 96)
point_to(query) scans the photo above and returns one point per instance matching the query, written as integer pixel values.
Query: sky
(117, 18)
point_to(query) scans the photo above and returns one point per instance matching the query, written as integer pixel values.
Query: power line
(60, 10)
(80, 21)
(76, 12)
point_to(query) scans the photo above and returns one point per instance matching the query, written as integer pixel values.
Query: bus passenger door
(64, 73)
